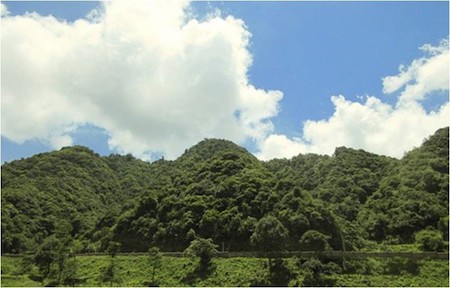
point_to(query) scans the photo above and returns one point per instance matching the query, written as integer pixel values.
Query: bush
(110, 275)
(399, 266)
(430, 240)
(317, 273)
(443, 226)
(154, 262)
(313, 240)
(280, 274)
(205, 249)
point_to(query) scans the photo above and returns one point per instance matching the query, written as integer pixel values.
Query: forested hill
(218, 190)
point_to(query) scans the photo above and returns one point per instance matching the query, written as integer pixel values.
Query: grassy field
(134, 271)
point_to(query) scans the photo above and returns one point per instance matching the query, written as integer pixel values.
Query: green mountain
(218, 190)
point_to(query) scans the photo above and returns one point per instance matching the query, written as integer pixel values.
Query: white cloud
(423, 76)
(3, 10)
(280, 146)
(154, 78)
(373, 125)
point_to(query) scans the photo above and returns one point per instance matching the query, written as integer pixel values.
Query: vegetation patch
(218, 197)
(135, 271)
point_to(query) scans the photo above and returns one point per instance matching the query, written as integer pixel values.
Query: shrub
(154, 262)
(206, 250)
(313, 240)
(430, 240)
(280, 274)
(317, 273)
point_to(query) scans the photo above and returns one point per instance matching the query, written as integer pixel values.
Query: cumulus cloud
(373, 125)
(423, 76)
(155, 78)
(3, 10)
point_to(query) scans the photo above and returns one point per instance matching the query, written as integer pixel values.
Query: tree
(66, 265)
(313, 240)
(69, 274)
(205, 249)
(430, 240)
(218, 190)
(316, 271)
(56, 262)
(443, 226)
(109, 273)
(45, 255)
(270, 235)
(113, 248)
(154, 261)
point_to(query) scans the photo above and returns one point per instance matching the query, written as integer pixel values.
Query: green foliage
(46, 255)
(72, 184)
(270, 234)
(154, 262)
(280, 274)
(315, 273)
(413, 195)
(430, 240)
(313, 240)
(109, 274)
(443, 226)
(55, 259)
(233, 272)
(113, 248)
(205, 249)
(218, 190)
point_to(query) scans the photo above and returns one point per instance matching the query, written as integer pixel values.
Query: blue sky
(314, 50)
(307, 51)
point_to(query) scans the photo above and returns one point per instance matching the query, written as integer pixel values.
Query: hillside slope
(218, 190)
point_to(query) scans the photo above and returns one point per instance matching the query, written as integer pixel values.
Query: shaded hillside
(207, 192)
(72, 184)
(342, 183)
(218, 190)
(413, 194)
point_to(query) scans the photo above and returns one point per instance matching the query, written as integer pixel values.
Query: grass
(134, 271)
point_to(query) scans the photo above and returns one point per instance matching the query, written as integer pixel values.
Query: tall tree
(109, 273)
(270, 235)
(205, 249)
(154, 262)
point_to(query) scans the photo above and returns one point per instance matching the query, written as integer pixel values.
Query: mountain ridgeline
(218, 190)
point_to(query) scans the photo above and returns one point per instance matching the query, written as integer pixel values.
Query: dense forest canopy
(218, 190)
